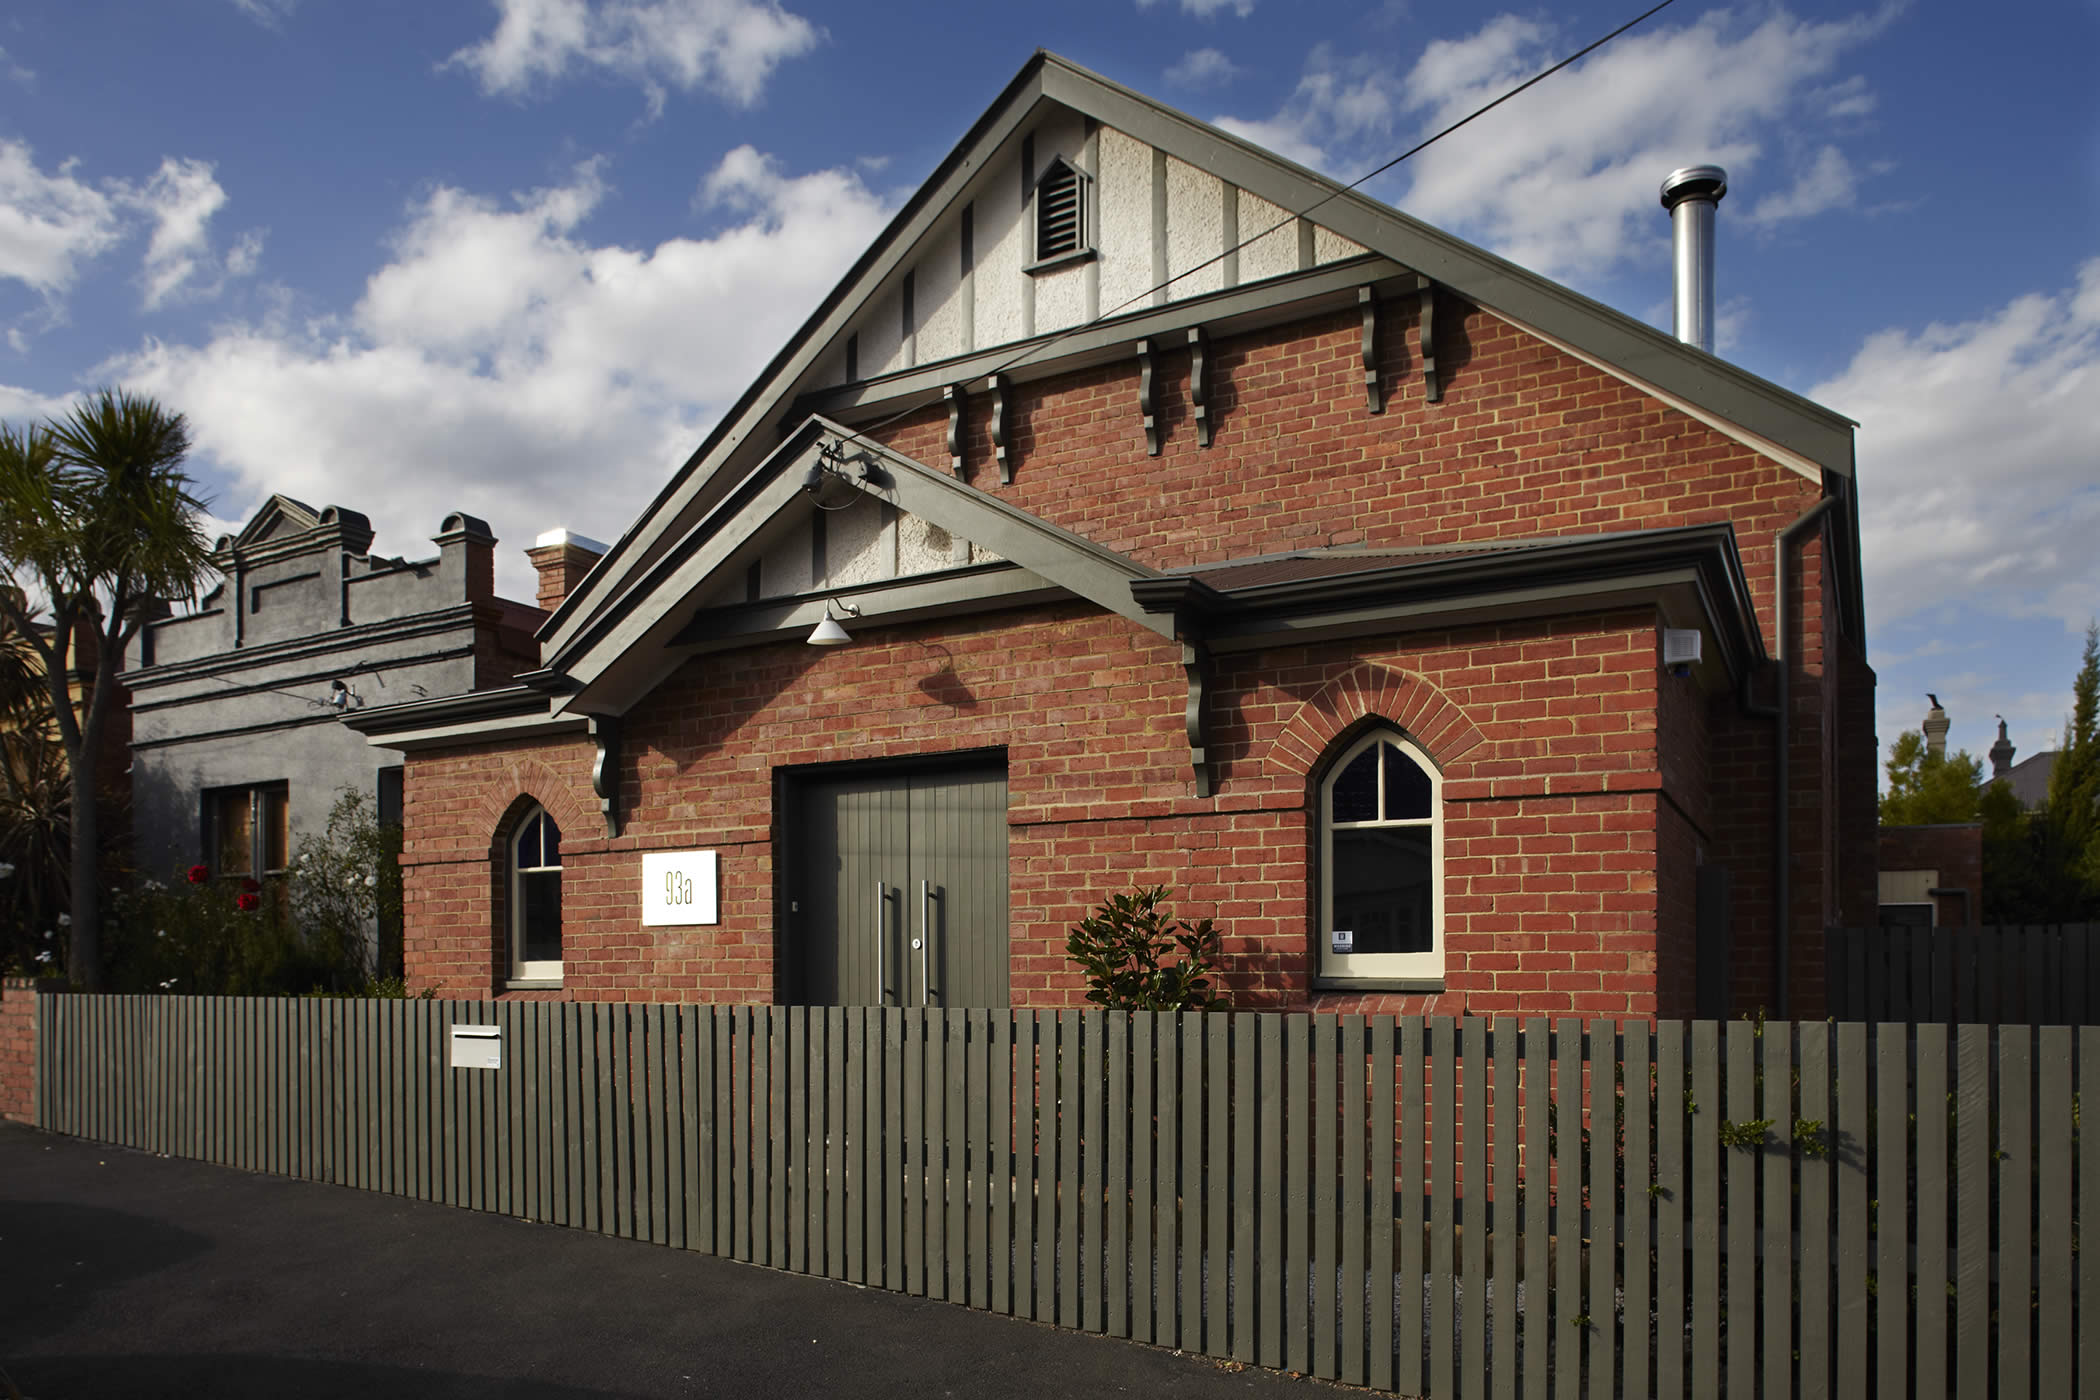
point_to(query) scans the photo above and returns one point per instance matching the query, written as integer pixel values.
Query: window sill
(1062, 260)
(532, 984)
(1378, 984)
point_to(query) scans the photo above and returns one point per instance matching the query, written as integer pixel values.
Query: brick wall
(1550, 826)
(1580, 794)
(1953, 849)
(18, 997)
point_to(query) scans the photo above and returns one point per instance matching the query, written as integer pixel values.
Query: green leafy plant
(1124, 948)
(307, 931)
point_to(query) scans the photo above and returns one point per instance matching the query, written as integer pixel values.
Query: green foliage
(1924, 789)
(2043, 867)
(1749, 1132)
(1122, 947)
(2073, 811)
(98, 524)
(306, 933)
(346, 878)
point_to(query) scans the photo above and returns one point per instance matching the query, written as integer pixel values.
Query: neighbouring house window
(1060, 214)
(1381, 833)
(535, 898)
(247, 830)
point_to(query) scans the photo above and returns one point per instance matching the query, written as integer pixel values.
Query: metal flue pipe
(1691, 195)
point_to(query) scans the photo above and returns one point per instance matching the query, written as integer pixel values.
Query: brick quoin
(1583, 787)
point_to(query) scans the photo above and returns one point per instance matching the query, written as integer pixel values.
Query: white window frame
(541, 970)
(1411, 968)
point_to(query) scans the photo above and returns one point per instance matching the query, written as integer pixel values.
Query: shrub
(306, 931)
(1121, 947)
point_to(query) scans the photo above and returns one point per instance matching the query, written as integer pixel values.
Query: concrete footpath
(124, 1274)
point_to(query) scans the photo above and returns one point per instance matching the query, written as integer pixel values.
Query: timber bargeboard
(1035, 559)
(1759, 413)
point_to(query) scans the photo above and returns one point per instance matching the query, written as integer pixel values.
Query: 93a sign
(678, 887)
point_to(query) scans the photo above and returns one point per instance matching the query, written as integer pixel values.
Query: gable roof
(626, 650)
(1785, 425)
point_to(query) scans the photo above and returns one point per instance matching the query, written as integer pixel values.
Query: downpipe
(1780, 713)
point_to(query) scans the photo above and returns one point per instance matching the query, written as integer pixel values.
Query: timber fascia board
(1693, 575)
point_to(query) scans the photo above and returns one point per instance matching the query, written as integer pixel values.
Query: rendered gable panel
(938, 292)
(1271, 238)
(1329, 246)
(1195, 231)
(1123, 195)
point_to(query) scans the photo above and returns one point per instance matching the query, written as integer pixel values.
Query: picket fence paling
(2039, 975)
(1703, 1210)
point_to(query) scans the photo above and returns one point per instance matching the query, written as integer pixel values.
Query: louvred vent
(1058, 222)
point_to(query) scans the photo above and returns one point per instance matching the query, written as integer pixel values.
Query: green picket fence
(1438, 1207)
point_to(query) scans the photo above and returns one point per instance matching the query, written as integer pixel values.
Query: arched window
(535, 898)
(1381, 838)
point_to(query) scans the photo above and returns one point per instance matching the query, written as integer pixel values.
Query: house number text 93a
(679, 887)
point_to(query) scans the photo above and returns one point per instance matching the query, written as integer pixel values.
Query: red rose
(250, 886)
(248, 903)
(199, 874)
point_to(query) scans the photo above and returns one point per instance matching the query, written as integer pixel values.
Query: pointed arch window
(1060, 216)
(1381, 857)
(535, 898)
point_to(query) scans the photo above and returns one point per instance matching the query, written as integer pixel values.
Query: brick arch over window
(529, 781)
(1370, 692)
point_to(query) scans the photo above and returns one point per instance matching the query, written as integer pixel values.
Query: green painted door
(897, 887)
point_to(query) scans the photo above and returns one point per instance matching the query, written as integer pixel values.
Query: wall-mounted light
(828, 633)
(342, 697)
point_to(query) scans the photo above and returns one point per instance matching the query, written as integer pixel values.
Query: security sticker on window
(1342, 940)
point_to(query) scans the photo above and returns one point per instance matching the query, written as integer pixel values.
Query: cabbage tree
(97, 525)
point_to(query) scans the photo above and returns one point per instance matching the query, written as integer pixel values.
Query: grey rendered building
(236, 748)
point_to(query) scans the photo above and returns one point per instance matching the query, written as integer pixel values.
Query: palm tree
(97, 518)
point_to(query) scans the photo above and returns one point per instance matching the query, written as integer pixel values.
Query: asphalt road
(124, 1274)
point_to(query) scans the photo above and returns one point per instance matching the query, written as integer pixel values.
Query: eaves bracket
(1195, 664)
(605, 769)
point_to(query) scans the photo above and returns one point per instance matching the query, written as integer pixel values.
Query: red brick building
(1319, 567)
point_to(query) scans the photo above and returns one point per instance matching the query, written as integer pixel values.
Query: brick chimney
(562, 558)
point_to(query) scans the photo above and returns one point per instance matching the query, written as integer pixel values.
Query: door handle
(882, 944)
(925, 936)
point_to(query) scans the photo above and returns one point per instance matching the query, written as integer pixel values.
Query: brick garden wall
(1579, 793)
(18, 997)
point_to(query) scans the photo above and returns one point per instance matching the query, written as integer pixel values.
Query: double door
(897, 887)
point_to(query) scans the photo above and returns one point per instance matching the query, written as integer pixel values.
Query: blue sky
(513, 256)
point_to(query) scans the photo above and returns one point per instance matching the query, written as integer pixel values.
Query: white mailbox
(678, 887)
(477, 1047)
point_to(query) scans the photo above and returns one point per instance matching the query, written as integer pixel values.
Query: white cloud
(16, 72)
(1563, 179)
(1207, 9)
(502, 363)
(1979, 459)
(50, 224)
(1829, 183)
(180, 199)
(269, 13)
(21, 406)
(1203, 68)
(725, 47)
